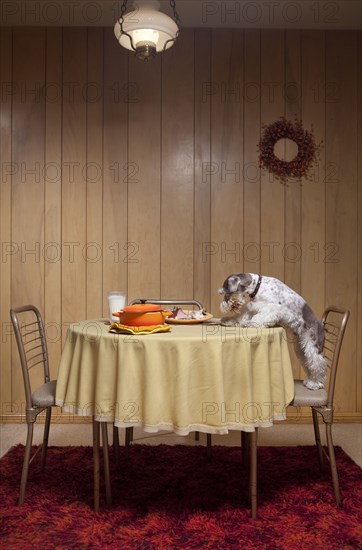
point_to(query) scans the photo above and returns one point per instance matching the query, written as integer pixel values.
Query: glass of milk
(116, 302)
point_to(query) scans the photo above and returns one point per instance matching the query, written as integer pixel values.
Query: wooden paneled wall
(144, 177)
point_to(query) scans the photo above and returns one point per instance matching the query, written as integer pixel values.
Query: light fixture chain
(123, 8)
(175, 14)
(121, 21)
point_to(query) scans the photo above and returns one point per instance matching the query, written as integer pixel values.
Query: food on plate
(179, 313)
(199, 314)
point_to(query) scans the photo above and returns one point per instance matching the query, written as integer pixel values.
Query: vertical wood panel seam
(127, 173)
(61, 169)
(11, 197)
(260, 132)
(161, 180)
(359, 221)
(86, 172)
(285, 111)
(355, 76)
(44, 161)
(210, 157)
(243, 148)
(358, 67)
(212, 38)
(102, 171)
(210, 153)
(86, 175)
(301, 84)
(193, 175)
(322, 171)
(356, 80)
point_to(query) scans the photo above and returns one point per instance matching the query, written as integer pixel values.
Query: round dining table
(194, 377)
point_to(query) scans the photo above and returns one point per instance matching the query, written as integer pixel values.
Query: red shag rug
(171, 497)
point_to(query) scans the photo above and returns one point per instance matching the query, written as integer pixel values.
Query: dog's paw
(213, 321)
(313, 385)
(229, 322)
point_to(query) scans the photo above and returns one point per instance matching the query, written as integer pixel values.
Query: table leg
(208, 446)
(245, 449)
(116, 445)
(253, 473)
(127, 440)
(107, 476)
(96, 439)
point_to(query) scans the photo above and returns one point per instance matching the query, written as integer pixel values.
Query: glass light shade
(145, 36)
(146, 26)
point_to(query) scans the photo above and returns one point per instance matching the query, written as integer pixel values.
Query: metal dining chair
(129, 431)
(32, 347)
(321, 401)
(334, 320)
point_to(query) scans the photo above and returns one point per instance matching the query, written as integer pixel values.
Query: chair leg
(317, 438)
(107, 476)
(208, 446)
(253, 473)
(48, 415)
(25, 470)
(245, 448)
(332, 461)
(127, 440)
(116, 445)
(96, 438)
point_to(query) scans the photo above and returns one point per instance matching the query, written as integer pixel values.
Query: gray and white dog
(255, 300)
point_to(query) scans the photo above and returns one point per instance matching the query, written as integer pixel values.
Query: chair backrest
(335, 321)
(30, 338)
(168, 302)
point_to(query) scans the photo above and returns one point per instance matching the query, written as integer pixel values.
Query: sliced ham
(178, 313)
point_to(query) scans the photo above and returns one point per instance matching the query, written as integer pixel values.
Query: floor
(347, 436)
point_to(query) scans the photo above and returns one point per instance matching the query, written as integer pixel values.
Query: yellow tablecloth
(207, 378)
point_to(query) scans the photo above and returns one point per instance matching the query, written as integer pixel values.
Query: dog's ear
(239, 281)
(235, 282)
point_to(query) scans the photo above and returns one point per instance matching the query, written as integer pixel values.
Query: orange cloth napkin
(125, 329)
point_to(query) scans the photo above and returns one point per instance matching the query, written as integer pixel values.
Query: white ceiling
(291, 14)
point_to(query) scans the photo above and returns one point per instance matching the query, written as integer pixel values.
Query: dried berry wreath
(308, 150)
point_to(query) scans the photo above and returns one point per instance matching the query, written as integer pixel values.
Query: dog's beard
(234, 304)
(225, 307)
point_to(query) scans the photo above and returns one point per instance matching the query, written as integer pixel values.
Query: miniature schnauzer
(255, 300)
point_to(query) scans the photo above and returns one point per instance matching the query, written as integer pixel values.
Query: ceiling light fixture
(146, 30)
